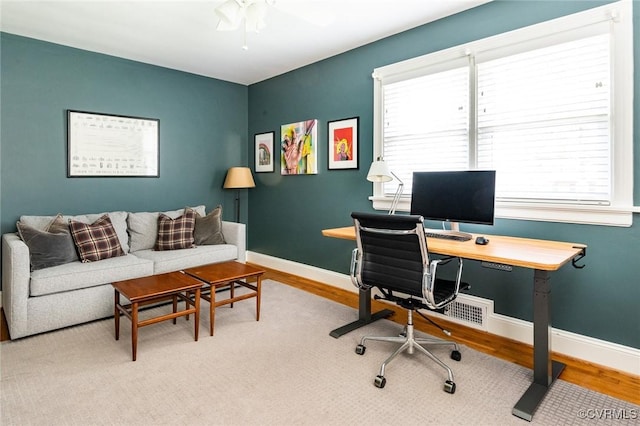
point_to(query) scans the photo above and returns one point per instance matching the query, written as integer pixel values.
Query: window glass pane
(544, 122)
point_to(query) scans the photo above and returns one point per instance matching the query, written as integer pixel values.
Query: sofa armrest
(236, 234)
(16, 274)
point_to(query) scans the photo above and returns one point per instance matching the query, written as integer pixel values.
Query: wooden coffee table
(154, 288)
(219, 275)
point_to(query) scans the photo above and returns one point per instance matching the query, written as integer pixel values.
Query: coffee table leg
(116, 313)
(212, 309)
(197, 314)
(134, 329)
(258, 286)
(232, 288)
(175, 306)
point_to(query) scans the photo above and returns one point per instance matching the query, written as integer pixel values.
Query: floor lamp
(238, 178)
(379, 172)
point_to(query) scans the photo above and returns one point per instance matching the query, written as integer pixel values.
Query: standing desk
(542, 256)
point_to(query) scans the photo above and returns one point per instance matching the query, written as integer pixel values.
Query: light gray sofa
(74, 293)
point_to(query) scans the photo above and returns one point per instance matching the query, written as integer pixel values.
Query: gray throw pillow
(208, 230)
(52, 247)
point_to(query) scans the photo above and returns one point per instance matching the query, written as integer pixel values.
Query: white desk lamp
(238, 178)
(379, 172)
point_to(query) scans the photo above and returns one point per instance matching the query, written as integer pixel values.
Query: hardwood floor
(591, 376)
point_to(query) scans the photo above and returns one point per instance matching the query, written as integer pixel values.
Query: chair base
(410, 343)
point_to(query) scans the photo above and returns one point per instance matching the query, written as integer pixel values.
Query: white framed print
(264, 152)
(343, 143)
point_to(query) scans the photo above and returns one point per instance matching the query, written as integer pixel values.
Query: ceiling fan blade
(230, 13)
(254, 16)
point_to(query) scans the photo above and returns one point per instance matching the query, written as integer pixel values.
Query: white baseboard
(608, 354)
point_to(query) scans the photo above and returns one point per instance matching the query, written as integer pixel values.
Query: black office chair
(392, 255)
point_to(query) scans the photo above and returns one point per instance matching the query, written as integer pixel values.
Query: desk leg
(545, 370)
(364, 315)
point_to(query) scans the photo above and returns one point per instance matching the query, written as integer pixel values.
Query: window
(539, 105)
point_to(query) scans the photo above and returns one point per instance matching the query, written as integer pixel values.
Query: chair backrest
(392, 252)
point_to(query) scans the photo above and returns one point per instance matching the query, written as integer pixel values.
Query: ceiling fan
(252, 13)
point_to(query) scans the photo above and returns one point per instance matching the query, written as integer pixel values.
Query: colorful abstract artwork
(299, 148)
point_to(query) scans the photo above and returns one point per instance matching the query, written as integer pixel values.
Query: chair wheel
(449, 386)
(456, 356)
(380, 382)
(360, 349)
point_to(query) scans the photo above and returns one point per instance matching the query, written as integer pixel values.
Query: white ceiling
(182, 34)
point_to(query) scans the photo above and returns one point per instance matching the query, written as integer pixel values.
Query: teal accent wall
(287, 213)
(203, 131)
(207, 125)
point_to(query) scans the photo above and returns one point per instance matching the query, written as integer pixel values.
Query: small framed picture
(343, 143)
(264, 152)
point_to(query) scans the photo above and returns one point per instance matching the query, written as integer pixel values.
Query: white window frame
(619, 17)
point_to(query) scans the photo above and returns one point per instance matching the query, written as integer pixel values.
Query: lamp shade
(239, 177)
(379, 172)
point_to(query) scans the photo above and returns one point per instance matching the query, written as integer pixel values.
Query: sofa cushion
(49, 247)
(176, 234)
(175, 260)
(143, 227)
(77, 275)
(96, 241)
(208, 230)
(118, 219)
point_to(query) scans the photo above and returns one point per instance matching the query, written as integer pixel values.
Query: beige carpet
(283, 370)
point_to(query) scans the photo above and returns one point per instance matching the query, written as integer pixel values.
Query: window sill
(588, 215)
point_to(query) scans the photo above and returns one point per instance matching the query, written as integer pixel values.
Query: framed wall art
(107, 145)
(343, 143)
(298, 148)
(264, 152)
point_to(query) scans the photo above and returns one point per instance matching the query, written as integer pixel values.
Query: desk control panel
(498, 266)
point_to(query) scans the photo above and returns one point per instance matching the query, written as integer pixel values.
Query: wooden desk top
(524, 252)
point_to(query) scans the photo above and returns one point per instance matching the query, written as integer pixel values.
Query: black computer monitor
(455, 196)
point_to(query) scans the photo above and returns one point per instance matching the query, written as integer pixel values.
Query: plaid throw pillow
(96, 241)
(174, 234)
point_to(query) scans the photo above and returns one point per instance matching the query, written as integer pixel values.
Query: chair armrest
(16, 274)
(236, 234)
(430, 281)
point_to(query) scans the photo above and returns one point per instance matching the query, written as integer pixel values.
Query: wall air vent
(469, 310)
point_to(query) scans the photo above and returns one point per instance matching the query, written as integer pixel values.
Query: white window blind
(538, 105)
(426, 125)
(544, 122)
